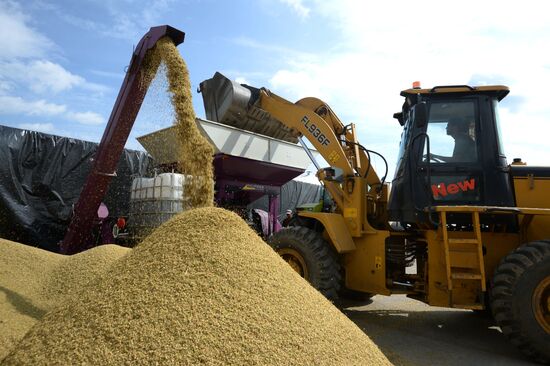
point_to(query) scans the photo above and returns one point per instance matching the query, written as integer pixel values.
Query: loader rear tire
(311, 256)
(520, 299)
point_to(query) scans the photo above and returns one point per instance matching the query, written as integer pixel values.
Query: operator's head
(289, 212)
(457, 126)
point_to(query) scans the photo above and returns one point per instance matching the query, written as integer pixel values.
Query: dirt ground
(412, 333)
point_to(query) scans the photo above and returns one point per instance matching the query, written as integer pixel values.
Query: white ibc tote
(154, 201)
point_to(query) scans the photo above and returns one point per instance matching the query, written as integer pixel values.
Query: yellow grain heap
(201, 289)
(34, 281)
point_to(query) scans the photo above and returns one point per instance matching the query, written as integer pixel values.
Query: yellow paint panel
(336, 229)
(534, 193)
(350, 212)
(496, 245)
(378, 262)
(366, 266)
(333, 157)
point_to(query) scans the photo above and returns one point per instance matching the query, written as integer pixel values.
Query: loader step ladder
(464, 259)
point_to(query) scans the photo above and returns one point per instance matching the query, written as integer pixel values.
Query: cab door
(461, 162)
(452, 151)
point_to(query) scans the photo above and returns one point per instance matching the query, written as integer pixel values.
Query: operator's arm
(438, 158)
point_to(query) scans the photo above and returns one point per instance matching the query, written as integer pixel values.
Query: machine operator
(465, 146)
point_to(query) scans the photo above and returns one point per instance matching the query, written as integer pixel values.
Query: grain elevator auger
(123, 115)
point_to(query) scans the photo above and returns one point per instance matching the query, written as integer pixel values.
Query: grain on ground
(34, 281)
(202, 289)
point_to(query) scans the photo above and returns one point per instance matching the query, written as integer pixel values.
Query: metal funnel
(163, 145)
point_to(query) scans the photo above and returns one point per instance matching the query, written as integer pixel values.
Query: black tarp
(293, 193)
(41, 177)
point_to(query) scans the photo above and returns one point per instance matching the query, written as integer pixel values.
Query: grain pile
(34, 281)
(196, 153)
(202, 289)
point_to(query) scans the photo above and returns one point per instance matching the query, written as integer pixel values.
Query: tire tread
(330, 278)
(505, 279)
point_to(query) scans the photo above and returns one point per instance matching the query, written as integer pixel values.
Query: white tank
(154, 201)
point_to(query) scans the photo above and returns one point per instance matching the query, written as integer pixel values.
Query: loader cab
(450, 152)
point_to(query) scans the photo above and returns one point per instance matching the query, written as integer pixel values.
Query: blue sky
(62, 62)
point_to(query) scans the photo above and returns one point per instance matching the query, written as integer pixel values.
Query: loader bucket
(230, 103)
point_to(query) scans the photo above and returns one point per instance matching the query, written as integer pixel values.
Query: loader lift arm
(337, 143)
(123, 115)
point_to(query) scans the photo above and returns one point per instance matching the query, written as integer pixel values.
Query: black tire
(515, 299)
(322, 268)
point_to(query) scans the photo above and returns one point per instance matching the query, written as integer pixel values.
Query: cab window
(452, 130)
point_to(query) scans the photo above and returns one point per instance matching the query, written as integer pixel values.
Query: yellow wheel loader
(473, 231)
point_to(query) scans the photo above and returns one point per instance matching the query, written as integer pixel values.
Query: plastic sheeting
(293, 193)
(41, 177)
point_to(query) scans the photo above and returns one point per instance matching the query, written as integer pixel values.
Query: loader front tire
(520, 299)
(311, 256)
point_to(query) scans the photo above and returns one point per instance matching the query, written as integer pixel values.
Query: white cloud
(18, 39)
(298, 7)
(378, 50)
(300, 82)
(289, 53)
(42, 76)
(5, 86)
(241, 80)
(23, 52)
(41, 127)
(86, 118)
(94, 87)
(18, 105)
(24, 67)
(109, 74)
(46, 76)
(130, 24)
(120, 19)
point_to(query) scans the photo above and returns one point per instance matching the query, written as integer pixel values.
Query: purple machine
(255, 154)
(247, 165)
